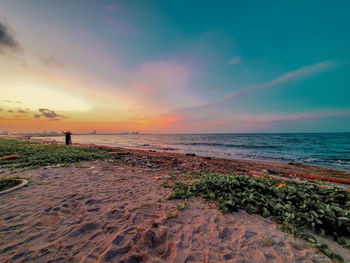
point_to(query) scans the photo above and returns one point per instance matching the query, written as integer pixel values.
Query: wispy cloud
(250, 123)
(120, 20)
(292, 117)
(299, 73)
(291, 75)
(159, 121)
(50, 114)
(115, 8)
(51, 60)
(124, 27)
(235, 60)
(22, 111)
(10, 101)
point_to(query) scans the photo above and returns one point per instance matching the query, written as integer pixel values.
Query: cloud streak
(294, 117)
(51, 60)
(50, 114)
(291, 75)
(7, 39)
(22, 111)
(10, 101)
(299, 73)
(235, 60)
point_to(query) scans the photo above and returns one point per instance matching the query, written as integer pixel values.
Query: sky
(180, 66)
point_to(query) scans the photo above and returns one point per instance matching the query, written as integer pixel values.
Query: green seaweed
(7, 183)
(301, 205)
(35, 155)
(170, 215)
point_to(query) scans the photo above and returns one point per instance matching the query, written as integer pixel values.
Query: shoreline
(328, 150)
(202, 163)
(334, 165)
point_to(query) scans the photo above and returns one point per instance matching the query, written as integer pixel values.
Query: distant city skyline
(174, 66)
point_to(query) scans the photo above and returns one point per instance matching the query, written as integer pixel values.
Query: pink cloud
(284, 118)
(223, 122)
(167, 81)
(166, 73)
(142, 88)
(162, 121)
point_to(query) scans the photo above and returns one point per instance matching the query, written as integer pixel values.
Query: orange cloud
(26, 124)
(161, 121)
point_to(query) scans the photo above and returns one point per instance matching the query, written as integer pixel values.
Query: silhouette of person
(68, 137)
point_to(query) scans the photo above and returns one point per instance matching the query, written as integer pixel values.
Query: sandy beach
(117, 211)
(201, 164)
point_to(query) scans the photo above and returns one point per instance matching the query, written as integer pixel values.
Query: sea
(320, 149)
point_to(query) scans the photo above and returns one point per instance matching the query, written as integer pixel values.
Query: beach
(117, 210)
(174, 131)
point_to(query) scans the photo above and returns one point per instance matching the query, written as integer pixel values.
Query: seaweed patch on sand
(27, 154)
(7, 183)
(294, 205)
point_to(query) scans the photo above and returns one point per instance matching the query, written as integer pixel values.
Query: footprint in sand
(49, 220)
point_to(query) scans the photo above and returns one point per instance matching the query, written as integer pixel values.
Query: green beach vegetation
(298, 207)
(7, 183)
(26, 154)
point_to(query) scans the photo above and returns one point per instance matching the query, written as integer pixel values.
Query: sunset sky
(175, 66)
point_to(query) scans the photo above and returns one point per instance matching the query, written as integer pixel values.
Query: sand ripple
(107, 214)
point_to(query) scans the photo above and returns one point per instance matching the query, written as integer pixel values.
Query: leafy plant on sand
(170, 215)
(6, 183)
(34, 155)
(165, 184)
(181, 206)
(302, 205)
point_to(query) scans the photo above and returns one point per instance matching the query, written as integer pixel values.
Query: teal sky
(208, 66)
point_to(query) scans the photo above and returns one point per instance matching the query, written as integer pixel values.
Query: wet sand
(110, 211)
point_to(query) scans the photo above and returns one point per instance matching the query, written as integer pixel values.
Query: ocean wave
(230, 145)
(330, 150)
(155, 147)
(267, 157)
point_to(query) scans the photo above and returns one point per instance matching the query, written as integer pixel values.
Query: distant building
(52, 133)
(5, 133)
(93, 133)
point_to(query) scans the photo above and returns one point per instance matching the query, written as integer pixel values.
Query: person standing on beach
(68, 137)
